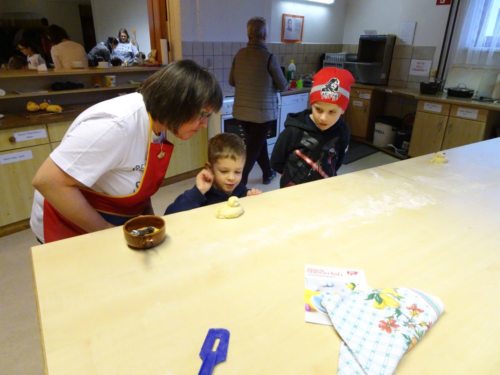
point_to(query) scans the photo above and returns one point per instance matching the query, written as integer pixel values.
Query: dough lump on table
(230, 210)
(439, 158)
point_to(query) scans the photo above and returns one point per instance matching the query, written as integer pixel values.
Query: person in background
(33, 57)
(115, 154)
(220, 178)
(315, 141)
(65, 53)
(126, 50)
(17, 62)
(256, 76)
(102, 51)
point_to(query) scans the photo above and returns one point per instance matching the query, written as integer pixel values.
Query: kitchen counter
(106, 308)
(439, 97)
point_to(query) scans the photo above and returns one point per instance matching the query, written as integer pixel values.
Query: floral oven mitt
(379, 326)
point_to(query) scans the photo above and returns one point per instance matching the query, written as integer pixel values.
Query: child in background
(315, 141)
(29, 50)
(220, 178)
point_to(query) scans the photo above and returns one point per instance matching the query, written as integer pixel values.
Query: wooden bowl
(144, 232)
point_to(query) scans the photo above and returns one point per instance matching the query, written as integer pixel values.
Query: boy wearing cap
(314, 142)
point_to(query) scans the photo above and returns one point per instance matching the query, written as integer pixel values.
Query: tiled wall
(400, 67)
(217, 57)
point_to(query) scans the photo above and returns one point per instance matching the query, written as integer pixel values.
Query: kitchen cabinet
(440, 126)
(22, 151)
(466, 125)
(56, 132)
(429, 127)
(364, 105)
(292, 103)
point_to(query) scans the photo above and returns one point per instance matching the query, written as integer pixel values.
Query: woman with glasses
(115, 154)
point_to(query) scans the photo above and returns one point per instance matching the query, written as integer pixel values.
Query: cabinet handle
(12, 139)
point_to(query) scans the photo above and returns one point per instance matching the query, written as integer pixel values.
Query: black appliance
(373, 60)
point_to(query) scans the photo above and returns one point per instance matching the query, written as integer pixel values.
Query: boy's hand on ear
(204, 180)
(253, 191)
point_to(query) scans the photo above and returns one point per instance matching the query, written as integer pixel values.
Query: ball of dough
(439, 158)
(230, 210)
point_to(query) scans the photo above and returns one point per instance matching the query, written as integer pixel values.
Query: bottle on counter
(291, 70)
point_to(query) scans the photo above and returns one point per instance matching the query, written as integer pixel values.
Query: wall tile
(218, 62)
(197, 49)
(235, 47)
(399, 69)
(226, 48)
(208, 62)
(208, 48)
(187, 48)
(227, 61)
(402, 51)
(217, 48)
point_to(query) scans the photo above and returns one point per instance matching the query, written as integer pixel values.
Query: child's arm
(204, 180)
(194, 197)
(253, 191)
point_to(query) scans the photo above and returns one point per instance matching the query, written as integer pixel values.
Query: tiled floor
(20, 344)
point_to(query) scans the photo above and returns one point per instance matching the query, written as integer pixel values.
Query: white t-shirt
(35, 60)
(105, 149)
(64, 53)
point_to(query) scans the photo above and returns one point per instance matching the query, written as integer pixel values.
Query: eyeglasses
(204, 115)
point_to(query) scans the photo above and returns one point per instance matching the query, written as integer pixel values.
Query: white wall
(322, 23)
(342, 22)
(225, 20)
(66, 15)
(111, 15)
(386, 16)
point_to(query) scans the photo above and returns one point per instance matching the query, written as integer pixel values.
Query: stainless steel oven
(224, 122)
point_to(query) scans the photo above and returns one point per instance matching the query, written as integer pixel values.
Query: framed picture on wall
(292, 27)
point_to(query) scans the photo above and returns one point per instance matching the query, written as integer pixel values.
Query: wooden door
(428, 133)
(461, 132)
(16, 172)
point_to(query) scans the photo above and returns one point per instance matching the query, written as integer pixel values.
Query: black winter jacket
(301, 140)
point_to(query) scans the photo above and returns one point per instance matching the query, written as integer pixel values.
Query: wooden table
(106, 309)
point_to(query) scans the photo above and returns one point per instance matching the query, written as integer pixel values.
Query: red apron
(116, 210)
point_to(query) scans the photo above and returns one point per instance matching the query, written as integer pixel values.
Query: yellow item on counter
(54, 108)
(44, 105)
(32, 106)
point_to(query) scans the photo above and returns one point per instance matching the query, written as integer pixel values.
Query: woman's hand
(63, 193)
(204, 180)
(253, 191)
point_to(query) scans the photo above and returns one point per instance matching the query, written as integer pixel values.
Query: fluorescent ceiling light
(323, 1)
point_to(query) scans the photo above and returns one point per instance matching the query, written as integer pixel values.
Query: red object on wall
(443, 2)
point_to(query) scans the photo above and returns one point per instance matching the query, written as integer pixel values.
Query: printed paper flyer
(320, 281)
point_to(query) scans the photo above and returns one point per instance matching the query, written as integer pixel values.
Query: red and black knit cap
(332, 85)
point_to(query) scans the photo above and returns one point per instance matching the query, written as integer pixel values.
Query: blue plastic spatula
(214, 349)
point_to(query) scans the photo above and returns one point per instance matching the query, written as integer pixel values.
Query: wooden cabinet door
(188, 155)
(23, 137)
(461, 132)
(357, 117)
(57, 130)
(17, 168)
(428, 133)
